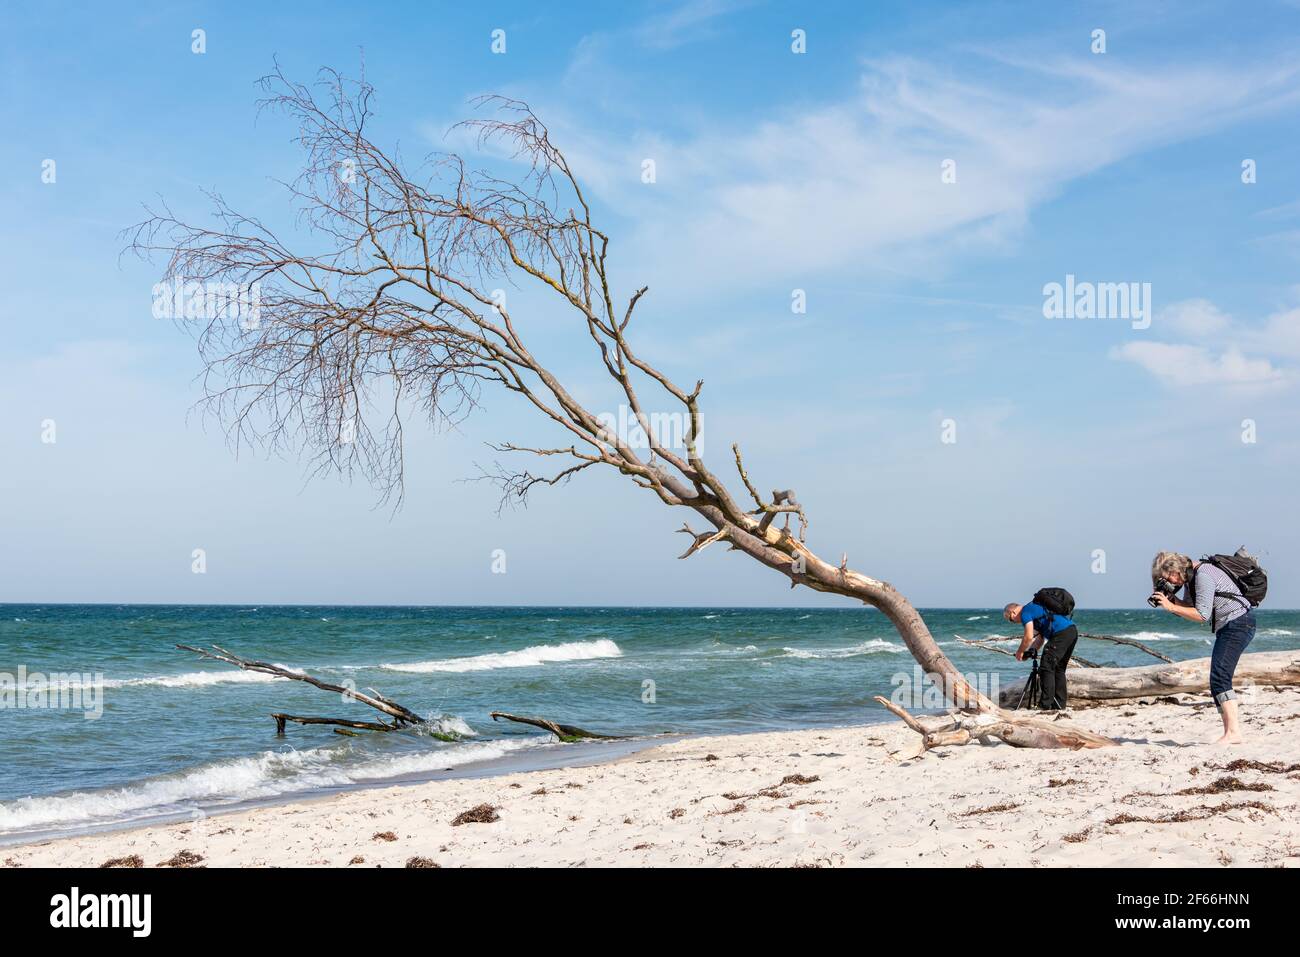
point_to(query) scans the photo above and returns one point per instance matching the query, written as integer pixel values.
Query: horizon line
(290, 604)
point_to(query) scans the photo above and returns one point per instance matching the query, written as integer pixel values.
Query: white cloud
(1215, 349)
(1280, 334)
(1188, 366)
(685, 23)
(1193, 318)
(842, 183)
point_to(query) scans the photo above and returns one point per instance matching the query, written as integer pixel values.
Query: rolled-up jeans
(1229, 642)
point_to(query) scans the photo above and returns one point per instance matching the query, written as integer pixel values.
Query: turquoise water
(180, 736)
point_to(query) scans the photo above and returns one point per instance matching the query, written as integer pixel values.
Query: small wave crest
(873, 646)
(193, 679)
(525, 658)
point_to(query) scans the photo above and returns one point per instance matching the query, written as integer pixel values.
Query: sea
(105, 723)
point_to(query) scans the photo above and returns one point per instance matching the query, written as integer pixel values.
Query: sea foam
(524, 658)
(264, 776)
(865, 648)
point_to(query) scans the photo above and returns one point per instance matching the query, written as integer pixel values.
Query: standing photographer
(1211, 596)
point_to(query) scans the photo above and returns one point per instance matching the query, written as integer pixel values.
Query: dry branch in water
(402, 717)
(565, 732)
(390, 305)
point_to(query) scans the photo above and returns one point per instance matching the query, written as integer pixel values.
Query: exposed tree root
(1019, 732)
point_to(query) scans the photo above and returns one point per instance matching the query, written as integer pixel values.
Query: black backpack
(1057, 601)
(1245, 571)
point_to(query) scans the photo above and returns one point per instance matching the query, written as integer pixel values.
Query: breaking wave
(525, 658)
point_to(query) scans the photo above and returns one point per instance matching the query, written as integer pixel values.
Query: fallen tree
(1101, 685)
(397, 300)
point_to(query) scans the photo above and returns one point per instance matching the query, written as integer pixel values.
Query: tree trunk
(777, 549)
(1181, 677)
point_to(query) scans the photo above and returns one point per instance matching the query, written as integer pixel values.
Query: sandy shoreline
(825, 797)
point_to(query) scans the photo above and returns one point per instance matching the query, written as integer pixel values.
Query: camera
(1165, 588)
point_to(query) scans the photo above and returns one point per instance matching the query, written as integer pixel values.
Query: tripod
(1033, 690)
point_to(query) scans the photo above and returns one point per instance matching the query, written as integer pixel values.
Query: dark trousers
(1052, 662)
(1229, 642)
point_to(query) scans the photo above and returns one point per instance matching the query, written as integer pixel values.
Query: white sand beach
(825, 798)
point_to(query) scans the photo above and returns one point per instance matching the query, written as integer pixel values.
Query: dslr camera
(1164, 588)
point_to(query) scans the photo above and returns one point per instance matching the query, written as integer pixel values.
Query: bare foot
(1234, 738)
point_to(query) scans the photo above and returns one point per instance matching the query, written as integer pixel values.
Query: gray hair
(1006, 612)
(1166, 563)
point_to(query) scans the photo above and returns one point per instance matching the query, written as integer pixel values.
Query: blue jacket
(1045, 623)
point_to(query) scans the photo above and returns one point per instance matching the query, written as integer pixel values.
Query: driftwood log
(565, 732)
(401, 717)
(1101, 685)
(964, 728)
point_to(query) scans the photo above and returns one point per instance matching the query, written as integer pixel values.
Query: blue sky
(776, 171)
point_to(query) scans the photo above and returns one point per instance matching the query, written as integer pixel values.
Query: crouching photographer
(1220, 590)
(1047, 621)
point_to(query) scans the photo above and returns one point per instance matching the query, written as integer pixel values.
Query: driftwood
(987, 644)
(1131, 643)
(1023, 732)
(402, 717)
(343, 723)
(1182, 677)
(565, 732)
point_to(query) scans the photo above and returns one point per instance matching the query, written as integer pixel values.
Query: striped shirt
(1215, 609)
